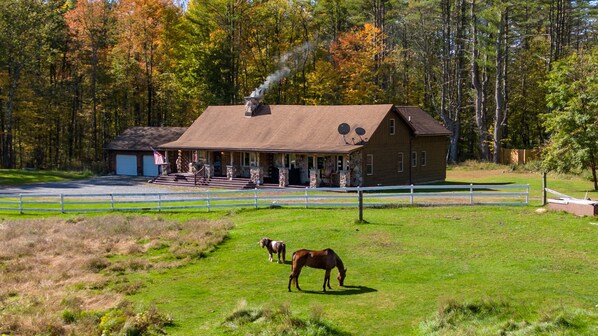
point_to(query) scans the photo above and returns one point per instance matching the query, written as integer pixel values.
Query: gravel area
(95, 185)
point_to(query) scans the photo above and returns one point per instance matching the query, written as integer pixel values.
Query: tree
(20, 34)
(573, 122)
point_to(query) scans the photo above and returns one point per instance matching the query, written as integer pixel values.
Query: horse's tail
(284, 252)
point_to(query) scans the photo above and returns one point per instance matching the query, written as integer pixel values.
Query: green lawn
(13, 177)
(401, 265)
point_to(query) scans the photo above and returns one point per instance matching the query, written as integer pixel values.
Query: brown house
(356, 145)
(131, 152)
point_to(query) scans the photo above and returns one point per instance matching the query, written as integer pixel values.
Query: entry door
(126, 164)
(217, 164)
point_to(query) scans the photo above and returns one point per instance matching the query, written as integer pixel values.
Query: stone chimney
(252, 104)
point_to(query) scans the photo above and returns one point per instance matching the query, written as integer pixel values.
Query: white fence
(306, 198)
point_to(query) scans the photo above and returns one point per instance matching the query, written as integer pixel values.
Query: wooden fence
(263, 198)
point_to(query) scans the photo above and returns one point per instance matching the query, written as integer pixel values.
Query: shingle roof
(145, 138)
(421, 122)
(290, 128)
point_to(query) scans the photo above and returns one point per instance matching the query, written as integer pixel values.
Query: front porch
(260, 169)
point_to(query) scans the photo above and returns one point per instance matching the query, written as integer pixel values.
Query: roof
(421, 123)
(145, 138)
(291, 128)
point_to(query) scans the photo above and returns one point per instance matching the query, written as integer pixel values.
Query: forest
(76, 73)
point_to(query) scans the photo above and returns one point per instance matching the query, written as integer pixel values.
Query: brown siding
(386, 148)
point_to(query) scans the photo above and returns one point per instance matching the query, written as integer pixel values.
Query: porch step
(188, 180)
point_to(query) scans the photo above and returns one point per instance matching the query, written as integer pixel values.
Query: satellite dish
(344, 129)
(360, 131)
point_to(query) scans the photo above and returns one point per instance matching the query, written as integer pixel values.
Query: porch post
(283, 177)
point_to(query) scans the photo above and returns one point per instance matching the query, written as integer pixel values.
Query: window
(400, 163)
(392, 127)
(369, 164)
(310, 162)
(422, 159)
(249, 159)
(413, 159)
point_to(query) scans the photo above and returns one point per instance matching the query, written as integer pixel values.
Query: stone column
(209, 171)
(283, 177)
(256, 175)
(230, 172)
(314, 178)
(344, 179)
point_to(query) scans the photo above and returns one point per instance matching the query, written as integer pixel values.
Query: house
(338, 146)
(131, 152)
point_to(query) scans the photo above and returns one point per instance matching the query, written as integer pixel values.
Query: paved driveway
(95, 185)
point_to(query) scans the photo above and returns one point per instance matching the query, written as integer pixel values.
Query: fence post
(21, 204)
(471, 193)
(208, 200)
(411, 198)
(255, 197)
(62, 203)
(543, 188)
(360, 201)
(306, 197)
(112, 202)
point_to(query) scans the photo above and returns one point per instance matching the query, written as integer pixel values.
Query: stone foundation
(256, 175)
(344, 179)
(314, 178)
(209, 171)
(230, 172)
(283, 177)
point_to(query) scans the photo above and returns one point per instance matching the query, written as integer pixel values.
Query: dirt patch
(80, 265)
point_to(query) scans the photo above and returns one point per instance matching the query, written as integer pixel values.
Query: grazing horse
(274, 246)
(325, 259)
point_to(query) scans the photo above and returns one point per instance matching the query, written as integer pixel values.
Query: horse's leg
(278, 254)
(326, 280)
(297, 279)
(270, 255)
(290, 280)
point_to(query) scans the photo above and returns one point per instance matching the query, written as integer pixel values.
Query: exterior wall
(139, 154)
(435, 168)
(385, 149)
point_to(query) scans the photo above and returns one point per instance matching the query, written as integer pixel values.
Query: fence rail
(310, 197)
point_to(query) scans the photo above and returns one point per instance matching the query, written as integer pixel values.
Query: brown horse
(325, 259)
(274, 246)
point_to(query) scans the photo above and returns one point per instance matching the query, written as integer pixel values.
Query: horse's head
(263, 242)
(341, 276)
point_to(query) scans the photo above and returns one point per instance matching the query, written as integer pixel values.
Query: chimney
(252, 104)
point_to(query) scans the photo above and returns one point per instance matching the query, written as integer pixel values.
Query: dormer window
(392, 126)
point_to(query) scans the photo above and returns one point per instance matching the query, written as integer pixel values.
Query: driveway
(95, 185)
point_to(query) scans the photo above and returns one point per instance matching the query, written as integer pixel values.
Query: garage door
(126, 164)
(149, 168)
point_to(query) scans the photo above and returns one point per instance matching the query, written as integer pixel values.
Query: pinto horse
(274, 246)
(325, 259)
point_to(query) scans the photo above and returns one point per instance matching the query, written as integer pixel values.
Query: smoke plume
(293, 59)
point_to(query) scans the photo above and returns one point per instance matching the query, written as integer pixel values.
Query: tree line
(76, 73)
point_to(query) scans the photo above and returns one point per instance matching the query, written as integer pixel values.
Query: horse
(325, 259)
(274, 246)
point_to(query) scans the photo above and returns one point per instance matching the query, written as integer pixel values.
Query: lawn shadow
(346, 290)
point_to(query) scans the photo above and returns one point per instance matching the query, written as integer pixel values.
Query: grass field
(13, 177)
(401, 266)
(454, 270)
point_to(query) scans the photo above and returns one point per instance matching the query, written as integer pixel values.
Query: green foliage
(498, 318)
(573, 121)
(278, 321)
(15, 177)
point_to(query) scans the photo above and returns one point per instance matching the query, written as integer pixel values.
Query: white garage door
(149, 168)
(126, 164)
